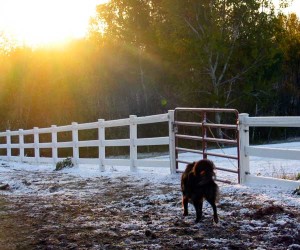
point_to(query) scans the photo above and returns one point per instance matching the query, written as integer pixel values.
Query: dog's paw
(216, 220)
(198, 220)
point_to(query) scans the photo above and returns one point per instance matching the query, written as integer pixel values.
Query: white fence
(246, 150)
(133, 142)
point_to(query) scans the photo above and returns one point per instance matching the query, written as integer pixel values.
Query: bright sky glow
(52, 22)
(294, 7)
(46, 22)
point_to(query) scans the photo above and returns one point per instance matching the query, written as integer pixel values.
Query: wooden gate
(198, 130)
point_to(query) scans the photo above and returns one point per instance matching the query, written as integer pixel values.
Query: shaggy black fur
(197, 183)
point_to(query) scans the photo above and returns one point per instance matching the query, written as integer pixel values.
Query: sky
(38, 22)
(295, 7)
(44, 22)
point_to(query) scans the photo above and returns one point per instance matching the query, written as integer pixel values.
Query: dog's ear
(211, 169)
(213, 165)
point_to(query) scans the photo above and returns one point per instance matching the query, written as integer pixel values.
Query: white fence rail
(133, 142)
(246, 150)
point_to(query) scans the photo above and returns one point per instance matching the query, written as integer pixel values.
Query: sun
(46, 22)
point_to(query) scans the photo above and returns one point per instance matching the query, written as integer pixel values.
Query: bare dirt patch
(60, 211)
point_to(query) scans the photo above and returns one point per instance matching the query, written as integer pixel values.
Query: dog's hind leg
(214, 207)
(185, 203)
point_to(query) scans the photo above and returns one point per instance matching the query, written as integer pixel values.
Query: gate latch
(175, 128)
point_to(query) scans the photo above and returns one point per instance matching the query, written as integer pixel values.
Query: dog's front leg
(198, 204)
(216, 218)
(214, 207)
(185, 203)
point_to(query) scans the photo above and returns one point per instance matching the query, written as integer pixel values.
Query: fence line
(133, 142)
(245, 122)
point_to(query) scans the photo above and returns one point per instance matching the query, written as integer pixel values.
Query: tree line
(145, 57)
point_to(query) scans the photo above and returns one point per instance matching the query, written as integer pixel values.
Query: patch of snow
(29, 179)
(294, 247)
(244, 210)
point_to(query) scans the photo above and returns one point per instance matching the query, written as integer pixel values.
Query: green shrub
(66, 163)
(297, 191)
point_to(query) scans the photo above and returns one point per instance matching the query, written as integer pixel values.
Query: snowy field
(83, 208)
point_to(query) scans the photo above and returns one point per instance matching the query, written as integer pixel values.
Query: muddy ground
(60, 211)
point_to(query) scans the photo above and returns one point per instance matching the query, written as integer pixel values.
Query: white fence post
(172, 142)
(21, 143)
(75, 143)
(133, 138)
(36, 144)
(244, 142)
(54, 144)
(101, 138)
(8, 142)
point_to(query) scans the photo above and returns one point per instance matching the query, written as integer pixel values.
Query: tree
(289, 42)
(209, 49)
(216, 32)
(126, 23)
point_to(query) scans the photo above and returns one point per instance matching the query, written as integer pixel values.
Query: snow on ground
(83, 208)
(268, 167)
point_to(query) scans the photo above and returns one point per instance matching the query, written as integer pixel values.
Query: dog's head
(203, 168)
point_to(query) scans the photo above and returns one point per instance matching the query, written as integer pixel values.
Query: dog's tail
(189, 167)
(184, 176)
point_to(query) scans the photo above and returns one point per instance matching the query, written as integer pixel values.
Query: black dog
(197, 183)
